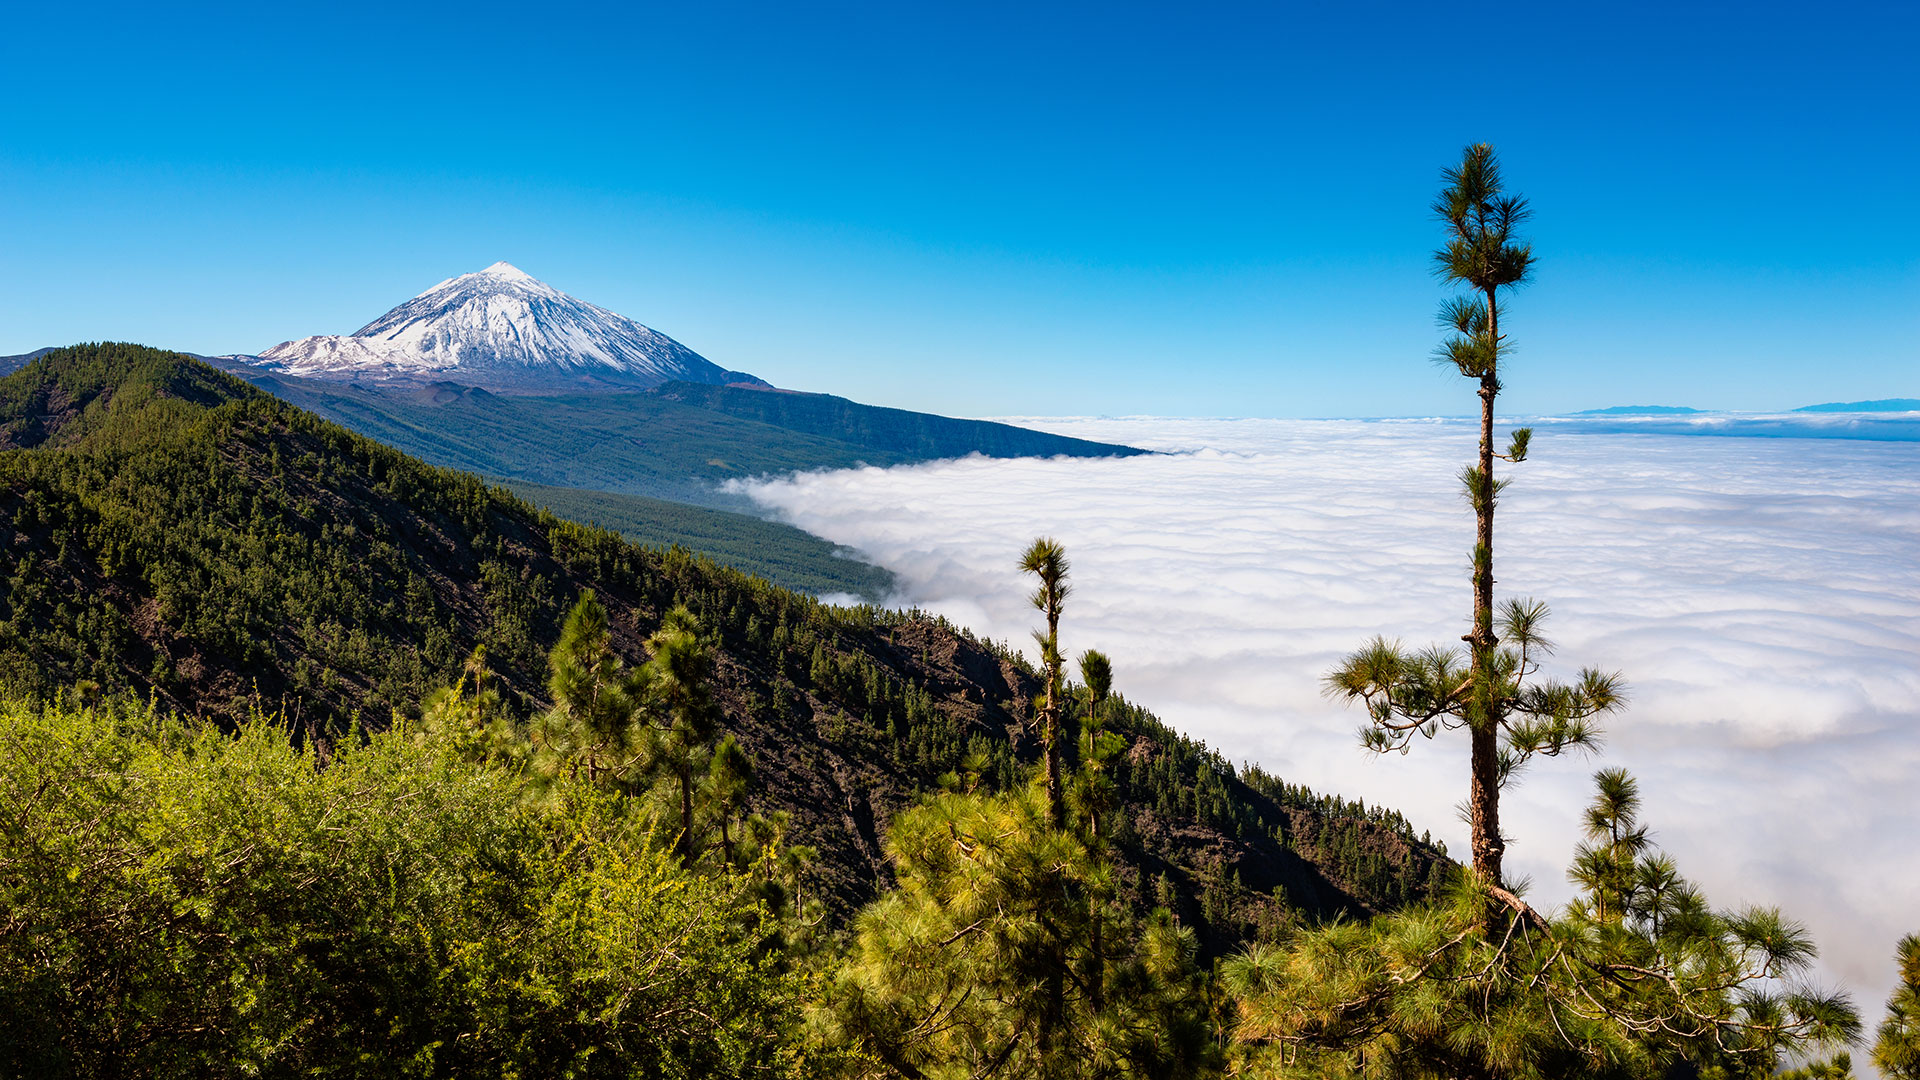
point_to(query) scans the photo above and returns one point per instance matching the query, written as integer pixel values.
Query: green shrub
(183, 901)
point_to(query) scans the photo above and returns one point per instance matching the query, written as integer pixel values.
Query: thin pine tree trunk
(1484, 796)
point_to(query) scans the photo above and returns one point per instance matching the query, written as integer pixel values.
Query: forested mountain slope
(915, 435)
(677, 442)
(783, 554)
(171, 531)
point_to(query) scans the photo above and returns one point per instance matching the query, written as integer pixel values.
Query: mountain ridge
(1640, 410)
(1877, 405)
(679, 441)
(651, 463)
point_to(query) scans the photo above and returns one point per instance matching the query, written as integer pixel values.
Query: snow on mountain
(501, 329)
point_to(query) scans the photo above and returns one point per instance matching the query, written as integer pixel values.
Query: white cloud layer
(1761, 595)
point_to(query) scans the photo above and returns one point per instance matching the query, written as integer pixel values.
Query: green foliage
(1410, 694)
(1896, 1053)
(1637, 978)
(1099, 747)
(1047, 561)
(178, 532)
(1481, 253)
(729, 778)
(784, 555)
(1371, 853)
(469, 720)
(183, 901)
(1408, 995)
(680, 699)
(1837, 1067)
(1609, 867)
(989, 958)
(595, 727)
(1713, 988)
(651, 731)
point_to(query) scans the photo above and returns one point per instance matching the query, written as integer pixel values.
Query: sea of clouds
(1760, 594)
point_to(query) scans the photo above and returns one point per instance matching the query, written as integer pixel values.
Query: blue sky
(978, 209)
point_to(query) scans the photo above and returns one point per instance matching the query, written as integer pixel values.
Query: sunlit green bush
(178, 900)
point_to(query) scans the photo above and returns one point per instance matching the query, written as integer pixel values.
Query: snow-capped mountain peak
(503, 329)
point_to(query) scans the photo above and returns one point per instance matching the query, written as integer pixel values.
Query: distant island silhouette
(1639, 410)
(1898, 404)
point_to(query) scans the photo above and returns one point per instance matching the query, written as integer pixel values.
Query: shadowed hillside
(171, 531)
(785, 555)
(677, 442)
(915, 436)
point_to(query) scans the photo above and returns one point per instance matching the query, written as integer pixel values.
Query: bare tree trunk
(1484, 716)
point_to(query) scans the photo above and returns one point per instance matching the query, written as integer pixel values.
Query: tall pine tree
(595, 726)
(983, 961)
(1510, 715)
(1098, 746)
(679, 696)
(1047, 560)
